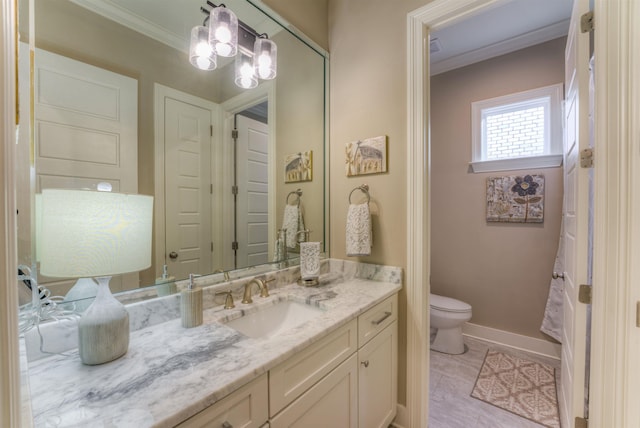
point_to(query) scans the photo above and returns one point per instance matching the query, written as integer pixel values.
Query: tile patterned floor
(451, 379)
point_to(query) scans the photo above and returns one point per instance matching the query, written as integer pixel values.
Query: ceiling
(503, 27)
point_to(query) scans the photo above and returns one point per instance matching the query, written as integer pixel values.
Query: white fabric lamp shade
(96, 234)
(88, 233)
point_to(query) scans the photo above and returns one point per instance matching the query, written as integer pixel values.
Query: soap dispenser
(191, 304)
(165, 285)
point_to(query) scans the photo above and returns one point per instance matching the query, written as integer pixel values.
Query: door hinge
(211, 130)
(586, 22)
(212, 247)
(637, 314)
(582, 422)
(234, 190)
(211, 188)
(586, 158)
(234, 134)
(234, 245)
(584, 294)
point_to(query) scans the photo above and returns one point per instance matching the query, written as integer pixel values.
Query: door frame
(266, 91)
(160, 92)
(615, 342)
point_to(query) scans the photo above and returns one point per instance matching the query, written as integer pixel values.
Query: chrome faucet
(262, 285)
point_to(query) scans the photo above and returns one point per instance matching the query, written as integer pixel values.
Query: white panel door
(187, 133)
(576, 224)
(86, 132)
(252, 203)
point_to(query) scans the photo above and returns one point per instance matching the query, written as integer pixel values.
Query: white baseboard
(518, 341)
(400, 420)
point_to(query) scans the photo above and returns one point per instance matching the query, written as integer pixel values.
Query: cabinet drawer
(243, 408)
(293, 377)
(377, 319)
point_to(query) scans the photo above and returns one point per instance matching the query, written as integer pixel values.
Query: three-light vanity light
(222, 34)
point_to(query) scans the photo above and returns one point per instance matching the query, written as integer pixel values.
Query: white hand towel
(291, 222)
(359, 233)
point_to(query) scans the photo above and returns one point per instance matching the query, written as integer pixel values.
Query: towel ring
(295, 192)
(364, 188)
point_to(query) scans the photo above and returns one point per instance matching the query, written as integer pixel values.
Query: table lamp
(96, 234)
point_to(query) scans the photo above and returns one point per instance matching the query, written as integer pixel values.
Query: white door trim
(266, 91)
(615, 339)
(616, 275)
(160, 92)
(10, 398)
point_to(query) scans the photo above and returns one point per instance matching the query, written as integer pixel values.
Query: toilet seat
(448, 304)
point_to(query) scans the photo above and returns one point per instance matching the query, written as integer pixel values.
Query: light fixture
(265, 54)
(245, 71)
(256, 54)
(201, 54)
(96, 234)
(223, 31)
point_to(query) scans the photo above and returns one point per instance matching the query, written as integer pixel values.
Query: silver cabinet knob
(557, 275)
(173, 255)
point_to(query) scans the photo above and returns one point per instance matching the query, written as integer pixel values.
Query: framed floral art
(515, 199)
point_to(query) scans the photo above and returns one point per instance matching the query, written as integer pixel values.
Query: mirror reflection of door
(188, 139)
(86, 132)
(252, 198)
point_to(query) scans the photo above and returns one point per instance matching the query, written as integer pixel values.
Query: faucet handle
(228, 301)
(264, 291)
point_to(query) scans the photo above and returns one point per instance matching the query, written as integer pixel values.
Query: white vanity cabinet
(347, 379)
(246, 407)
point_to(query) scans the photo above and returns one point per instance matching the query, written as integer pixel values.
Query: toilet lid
(448, 304)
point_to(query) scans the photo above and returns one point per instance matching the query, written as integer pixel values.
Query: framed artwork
(367, 156)
(298, 167)
(515, 199)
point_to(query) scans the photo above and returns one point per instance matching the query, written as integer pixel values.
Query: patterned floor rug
(520, 386)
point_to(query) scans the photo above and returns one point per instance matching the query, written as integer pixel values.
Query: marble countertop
(171, 373)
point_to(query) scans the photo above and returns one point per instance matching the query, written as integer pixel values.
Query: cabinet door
(243, 408)
(378, 379)
(332, 402)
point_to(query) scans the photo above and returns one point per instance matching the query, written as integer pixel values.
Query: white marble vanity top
(171, 373)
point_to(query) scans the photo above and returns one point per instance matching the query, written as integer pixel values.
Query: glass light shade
(201, 54)
(245, 71)
(265, 54)
(223, 31)
(88, 234)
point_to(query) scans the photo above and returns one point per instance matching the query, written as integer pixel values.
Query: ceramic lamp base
(103, 329)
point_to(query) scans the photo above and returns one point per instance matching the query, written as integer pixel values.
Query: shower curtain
(552, 321)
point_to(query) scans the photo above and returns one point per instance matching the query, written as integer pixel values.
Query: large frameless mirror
(113, 100)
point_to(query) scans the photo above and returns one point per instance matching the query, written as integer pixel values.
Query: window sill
(531, 162)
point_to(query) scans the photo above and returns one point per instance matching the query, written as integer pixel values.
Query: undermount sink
(272, 320)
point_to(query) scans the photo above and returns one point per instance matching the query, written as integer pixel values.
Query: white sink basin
(272, 320)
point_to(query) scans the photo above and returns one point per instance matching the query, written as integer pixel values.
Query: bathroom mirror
(114, 99)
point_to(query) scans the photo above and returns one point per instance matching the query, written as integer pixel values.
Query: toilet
(447, 316)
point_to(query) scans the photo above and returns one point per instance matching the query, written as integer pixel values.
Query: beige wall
(367, 44)
(502, 270)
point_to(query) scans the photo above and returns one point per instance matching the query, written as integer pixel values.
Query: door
(187, 145)
(85, 132)
(252, 200)
(576, 220)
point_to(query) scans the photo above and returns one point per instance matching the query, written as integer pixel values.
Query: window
(522, 130)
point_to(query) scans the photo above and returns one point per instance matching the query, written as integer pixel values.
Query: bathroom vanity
(336, 368)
